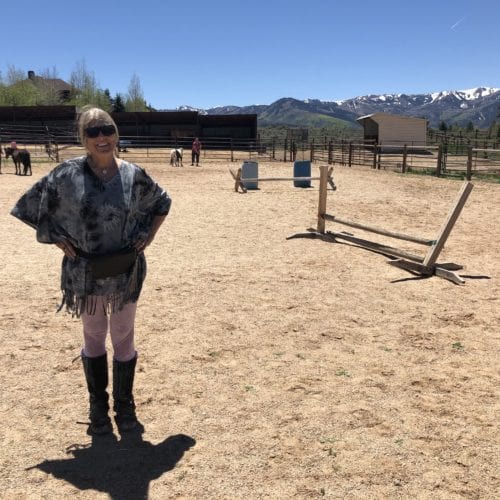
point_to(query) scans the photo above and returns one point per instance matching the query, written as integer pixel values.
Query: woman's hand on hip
(140, 245)
(67, 248)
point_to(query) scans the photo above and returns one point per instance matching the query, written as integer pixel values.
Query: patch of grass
(329, 440)
(342, 373)
(458, 346)
(492, 177)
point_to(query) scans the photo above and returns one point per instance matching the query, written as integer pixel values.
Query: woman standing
(195, 151)
(102, 212)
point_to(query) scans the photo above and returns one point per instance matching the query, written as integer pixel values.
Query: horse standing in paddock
(51, 150)
(20, 156)
(176, 157)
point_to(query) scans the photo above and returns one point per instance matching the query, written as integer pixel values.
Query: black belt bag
(113, 264)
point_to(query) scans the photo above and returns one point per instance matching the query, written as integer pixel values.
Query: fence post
(231, 146)
(374, 156)
(323, 182)
(350, 154)
(330, 152)
(285, 149)
(405, 157)
(468, 175)
(312, 151)
(439, 164)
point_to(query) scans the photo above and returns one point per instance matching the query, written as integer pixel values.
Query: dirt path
(268, 368)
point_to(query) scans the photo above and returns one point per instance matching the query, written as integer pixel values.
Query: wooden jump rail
(416, 264)
(239, 182)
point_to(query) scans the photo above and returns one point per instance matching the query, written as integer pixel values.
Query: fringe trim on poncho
(76, 305)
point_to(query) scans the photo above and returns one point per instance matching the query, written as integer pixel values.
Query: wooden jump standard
(425, 266)
(239, 182)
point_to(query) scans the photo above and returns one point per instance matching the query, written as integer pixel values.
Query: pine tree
(118, 105)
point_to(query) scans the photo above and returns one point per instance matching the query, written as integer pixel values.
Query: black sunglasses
(106, 130)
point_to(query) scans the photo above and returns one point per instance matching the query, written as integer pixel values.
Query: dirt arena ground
(268, 368)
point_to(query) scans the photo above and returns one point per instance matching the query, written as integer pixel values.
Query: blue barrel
(250, 170)
(302, 169)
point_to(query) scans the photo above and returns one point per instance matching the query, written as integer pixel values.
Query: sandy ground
(269, 368)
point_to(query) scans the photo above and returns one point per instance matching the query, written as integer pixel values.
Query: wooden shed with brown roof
(388, 129)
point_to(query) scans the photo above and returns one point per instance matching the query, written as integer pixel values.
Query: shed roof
(376, 117)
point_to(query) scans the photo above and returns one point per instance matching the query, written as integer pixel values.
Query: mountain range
(479, 106)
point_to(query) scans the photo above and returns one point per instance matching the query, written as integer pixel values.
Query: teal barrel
(250, 170)
(302, 169)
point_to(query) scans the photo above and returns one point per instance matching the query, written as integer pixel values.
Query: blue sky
(206, 53)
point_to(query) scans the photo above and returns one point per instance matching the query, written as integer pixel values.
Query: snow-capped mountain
(479, 105)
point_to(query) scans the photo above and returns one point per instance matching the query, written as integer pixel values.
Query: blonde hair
(92, 115)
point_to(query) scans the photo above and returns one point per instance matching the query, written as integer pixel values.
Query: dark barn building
(61, 121)
(157, 124)
(60, 117)
(228, 126)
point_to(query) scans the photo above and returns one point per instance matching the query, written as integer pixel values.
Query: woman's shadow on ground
(122, 468)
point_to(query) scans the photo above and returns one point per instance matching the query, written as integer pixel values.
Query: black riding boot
(96, 374)
(123, 382)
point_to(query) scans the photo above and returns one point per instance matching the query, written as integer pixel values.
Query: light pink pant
(121, 329)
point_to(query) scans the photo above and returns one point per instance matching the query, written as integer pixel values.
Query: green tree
(49, 93)
(443, 127)
(107, 95)
(135, 98)
(22, 93)
(118, 105)
(14, 75)
(102, 100)
(85, 87)
(16, 90)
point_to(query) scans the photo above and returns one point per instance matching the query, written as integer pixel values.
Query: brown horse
(51, 150)
(19, 156)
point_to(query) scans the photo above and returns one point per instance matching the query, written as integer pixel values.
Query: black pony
(20, 156)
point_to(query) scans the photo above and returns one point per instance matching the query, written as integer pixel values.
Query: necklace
(102, 172)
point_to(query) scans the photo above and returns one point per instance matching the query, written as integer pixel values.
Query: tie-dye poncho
(98, 218)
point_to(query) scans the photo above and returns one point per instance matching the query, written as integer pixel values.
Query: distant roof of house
(55, 83)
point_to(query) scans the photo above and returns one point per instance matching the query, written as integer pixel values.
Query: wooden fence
(446, 159)
(437, 160)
